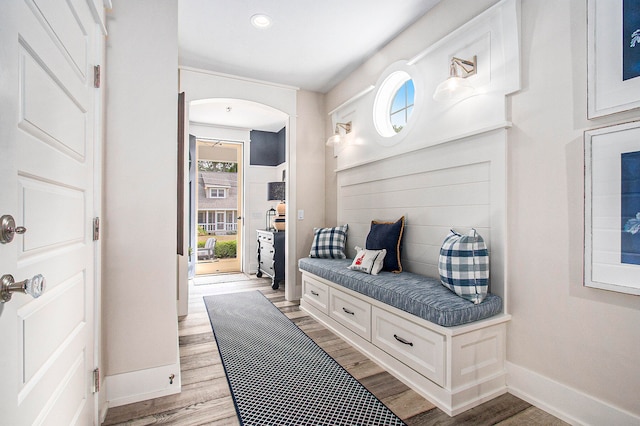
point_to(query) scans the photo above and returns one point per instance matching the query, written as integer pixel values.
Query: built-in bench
(446, 348)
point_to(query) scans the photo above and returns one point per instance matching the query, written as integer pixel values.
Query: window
(217, 193)
(402, 106)
(395, 103)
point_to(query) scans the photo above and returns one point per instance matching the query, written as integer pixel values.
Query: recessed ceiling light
(261, 21)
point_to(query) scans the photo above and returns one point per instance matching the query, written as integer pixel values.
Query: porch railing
(213, 227)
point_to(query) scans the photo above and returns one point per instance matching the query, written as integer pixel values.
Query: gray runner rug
(278, 375)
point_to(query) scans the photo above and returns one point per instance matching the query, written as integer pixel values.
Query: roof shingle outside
(218, 180)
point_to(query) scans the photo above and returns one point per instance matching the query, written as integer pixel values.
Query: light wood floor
(206, 400)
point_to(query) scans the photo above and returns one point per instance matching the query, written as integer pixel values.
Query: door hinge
(96, 76)
(96, 380)
(96, 228)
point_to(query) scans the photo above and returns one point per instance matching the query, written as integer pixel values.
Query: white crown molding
(239, 78)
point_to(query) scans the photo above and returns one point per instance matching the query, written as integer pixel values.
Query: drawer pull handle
(348, 311)
(314, 293)
(401, 340)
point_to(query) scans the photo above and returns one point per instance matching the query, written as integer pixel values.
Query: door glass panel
(219, 190)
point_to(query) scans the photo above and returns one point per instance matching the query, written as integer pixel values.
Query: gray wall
(268, 148)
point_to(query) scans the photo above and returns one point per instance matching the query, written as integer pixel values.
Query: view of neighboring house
(218, 202)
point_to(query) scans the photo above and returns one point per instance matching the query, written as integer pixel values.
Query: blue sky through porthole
(402, 106)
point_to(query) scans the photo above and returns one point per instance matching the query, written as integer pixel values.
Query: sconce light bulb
(453, 88)
(334, 140)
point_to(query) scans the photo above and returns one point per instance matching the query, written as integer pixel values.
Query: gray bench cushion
(417, 294)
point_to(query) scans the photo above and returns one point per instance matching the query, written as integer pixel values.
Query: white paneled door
(47, 174)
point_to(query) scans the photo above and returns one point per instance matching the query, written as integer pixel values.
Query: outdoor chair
(208, 251)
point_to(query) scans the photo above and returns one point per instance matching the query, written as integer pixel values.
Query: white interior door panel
(47, 119)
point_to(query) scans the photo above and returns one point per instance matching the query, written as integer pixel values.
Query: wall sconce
(455, 87)
(336, 139)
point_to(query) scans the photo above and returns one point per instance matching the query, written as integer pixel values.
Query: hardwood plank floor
(206, 400)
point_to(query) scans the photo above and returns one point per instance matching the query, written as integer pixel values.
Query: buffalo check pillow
(464, 265)
(328, 243)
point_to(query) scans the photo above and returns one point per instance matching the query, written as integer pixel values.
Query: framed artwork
(613, 69)
(612, 208)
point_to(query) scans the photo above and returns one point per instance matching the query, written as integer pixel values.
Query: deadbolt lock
(8, 229)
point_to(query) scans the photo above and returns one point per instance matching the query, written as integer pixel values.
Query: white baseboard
(141, 385)
(563, 402)
(102, 411)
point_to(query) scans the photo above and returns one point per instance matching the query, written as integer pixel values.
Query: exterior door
(47, 127)
(226, 223)
(221, 221)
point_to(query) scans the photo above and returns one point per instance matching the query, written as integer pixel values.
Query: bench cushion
(413, 293)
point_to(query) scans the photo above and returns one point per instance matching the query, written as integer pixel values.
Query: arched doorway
(199, 85)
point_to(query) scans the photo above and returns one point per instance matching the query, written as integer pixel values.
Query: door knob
(33, 286)
(8, 229)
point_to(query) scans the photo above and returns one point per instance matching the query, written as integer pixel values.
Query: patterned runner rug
(278, 375)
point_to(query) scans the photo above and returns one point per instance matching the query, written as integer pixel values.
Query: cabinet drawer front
(267, 269)
(353, 313)
(266, 237)
(419, 348)
(266, 249)
(316, 293)
(266, 259)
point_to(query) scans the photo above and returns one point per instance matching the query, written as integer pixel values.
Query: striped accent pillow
(328, 243)
(464, 265)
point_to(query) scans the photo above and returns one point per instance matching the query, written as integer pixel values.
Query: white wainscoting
(460, 185)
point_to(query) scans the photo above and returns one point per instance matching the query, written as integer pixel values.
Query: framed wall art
(612, 208)
(613, 69)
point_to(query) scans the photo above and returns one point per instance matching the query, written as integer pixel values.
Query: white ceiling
(238, 114)
(312, 44)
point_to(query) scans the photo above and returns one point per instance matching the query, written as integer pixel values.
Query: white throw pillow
(368, 261)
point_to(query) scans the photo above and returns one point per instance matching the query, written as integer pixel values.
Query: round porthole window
(394, 104)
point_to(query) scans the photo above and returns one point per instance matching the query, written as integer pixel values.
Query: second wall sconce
(336, 139)
(455, 87)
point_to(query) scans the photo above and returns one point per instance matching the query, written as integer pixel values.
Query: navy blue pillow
(388, 236)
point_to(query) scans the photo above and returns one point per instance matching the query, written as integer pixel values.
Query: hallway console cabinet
(271, 256)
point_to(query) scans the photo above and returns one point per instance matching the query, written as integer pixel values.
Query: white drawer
(353, 313)
(315, 293)
(419, 348)
(265, 236)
